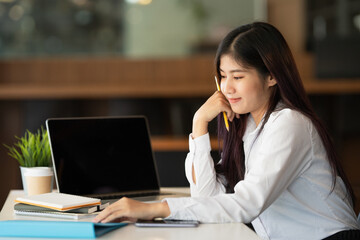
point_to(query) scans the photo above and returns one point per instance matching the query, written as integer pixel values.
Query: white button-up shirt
(286, 191)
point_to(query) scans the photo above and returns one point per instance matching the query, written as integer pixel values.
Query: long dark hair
(262, 47)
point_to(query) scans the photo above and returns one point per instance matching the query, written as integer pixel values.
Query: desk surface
(204, 231)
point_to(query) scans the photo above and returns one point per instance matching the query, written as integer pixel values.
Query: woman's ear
(271, 81)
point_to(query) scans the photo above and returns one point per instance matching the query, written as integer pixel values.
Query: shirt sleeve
(285, 154)
(199, 155)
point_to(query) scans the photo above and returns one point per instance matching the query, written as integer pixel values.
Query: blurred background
(74, 58)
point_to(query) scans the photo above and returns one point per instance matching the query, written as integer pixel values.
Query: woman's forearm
(161, 209)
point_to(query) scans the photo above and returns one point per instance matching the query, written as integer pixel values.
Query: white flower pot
(37, 180)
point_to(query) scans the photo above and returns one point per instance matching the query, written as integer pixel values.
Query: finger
(116, 217)
(231, 116)
(113, 216)
(228, 115)
(100, 216)
(229, 112)
(104, 214)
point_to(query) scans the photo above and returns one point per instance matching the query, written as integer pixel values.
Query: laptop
(104, 157)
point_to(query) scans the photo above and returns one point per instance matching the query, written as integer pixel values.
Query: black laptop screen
(102, 155)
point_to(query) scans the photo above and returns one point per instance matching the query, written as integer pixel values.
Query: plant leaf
(31, 150)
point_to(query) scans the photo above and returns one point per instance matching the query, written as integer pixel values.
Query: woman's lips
(234, 100)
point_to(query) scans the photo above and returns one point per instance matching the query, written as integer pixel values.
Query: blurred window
(48, 27)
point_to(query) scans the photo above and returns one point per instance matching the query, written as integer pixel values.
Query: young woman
(278, 169)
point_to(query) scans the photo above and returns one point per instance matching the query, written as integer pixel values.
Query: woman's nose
(228, 86)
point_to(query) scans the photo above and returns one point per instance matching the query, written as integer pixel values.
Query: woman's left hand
(127, 209)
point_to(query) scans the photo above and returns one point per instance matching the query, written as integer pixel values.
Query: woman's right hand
(216, 104)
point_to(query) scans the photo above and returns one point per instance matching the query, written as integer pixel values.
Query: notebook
(104, 157)
(55, 214)
(58, 201)
(32, 208)
(58, 205)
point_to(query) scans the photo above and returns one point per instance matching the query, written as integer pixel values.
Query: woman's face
(245, 89)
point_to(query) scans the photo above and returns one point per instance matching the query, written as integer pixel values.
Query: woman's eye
(237, 78)
(222, 77)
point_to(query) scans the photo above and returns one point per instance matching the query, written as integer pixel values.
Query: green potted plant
(33, 153)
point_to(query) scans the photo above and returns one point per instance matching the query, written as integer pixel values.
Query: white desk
(204, 231)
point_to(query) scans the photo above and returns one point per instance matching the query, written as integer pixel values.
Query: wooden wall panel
(94, 71)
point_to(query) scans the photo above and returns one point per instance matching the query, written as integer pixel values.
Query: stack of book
(58, 205)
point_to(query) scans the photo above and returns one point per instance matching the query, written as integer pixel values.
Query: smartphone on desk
(166, 223)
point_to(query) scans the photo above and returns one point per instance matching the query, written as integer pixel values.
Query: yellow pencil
(225, 117)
